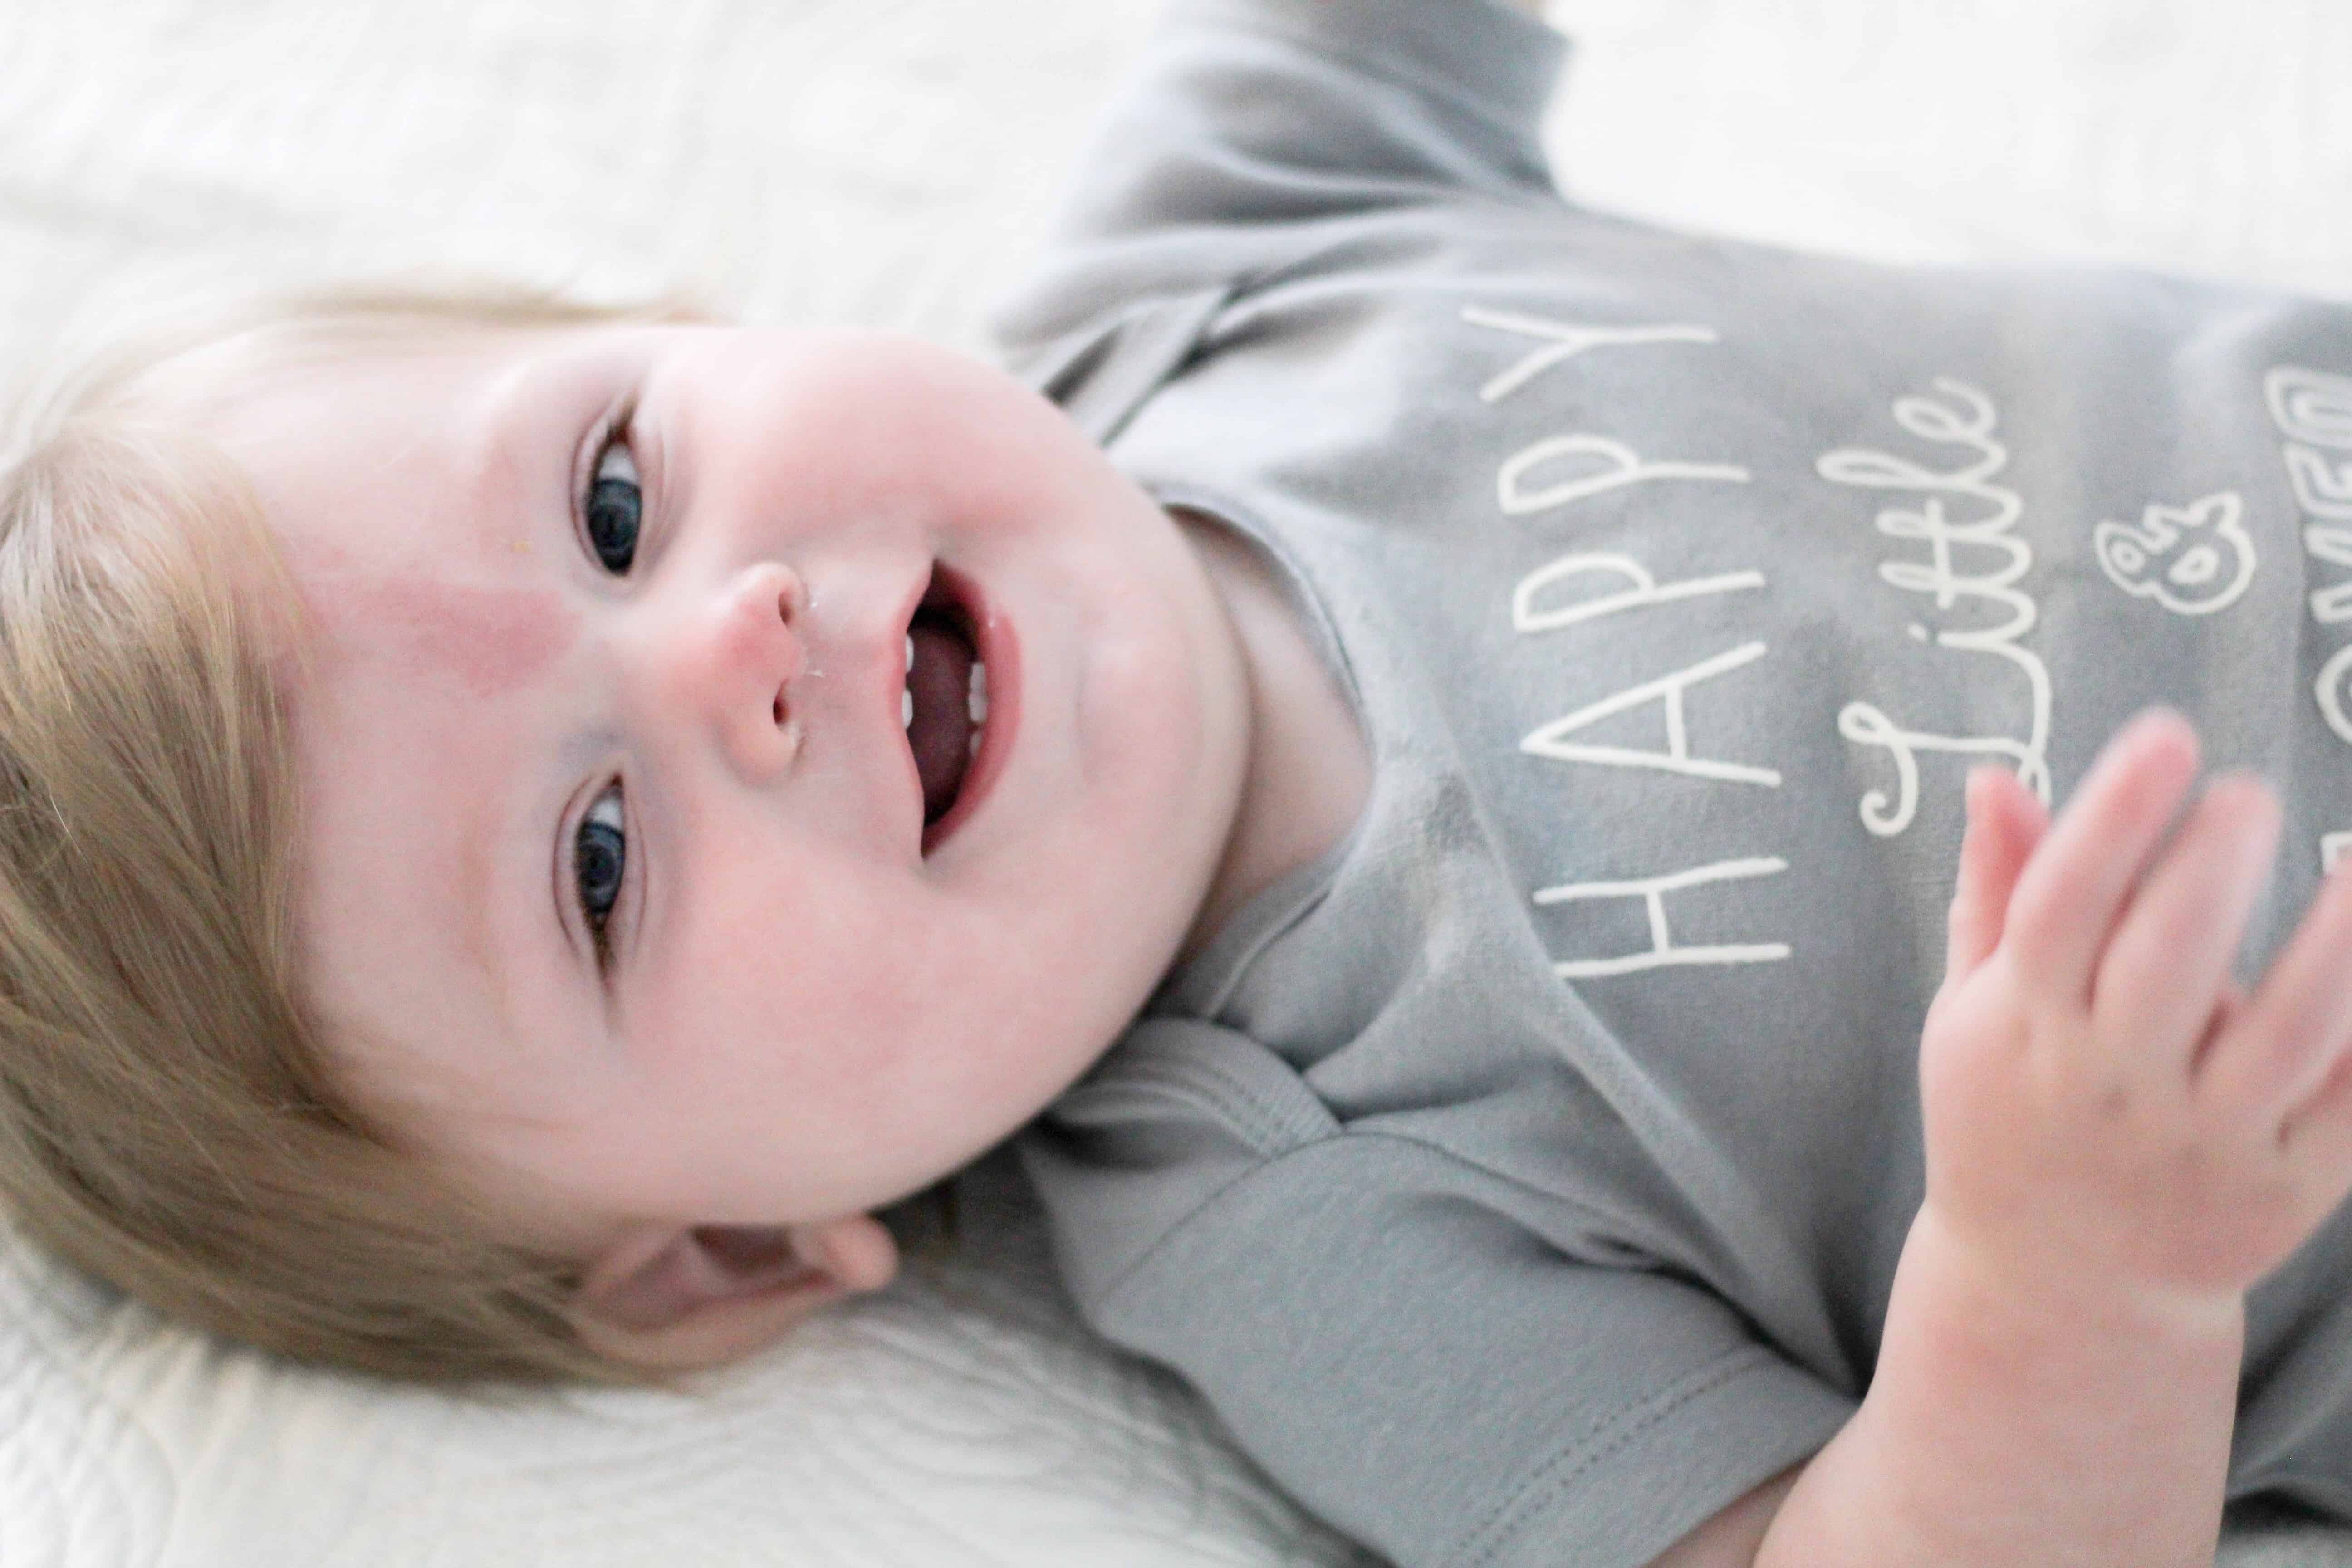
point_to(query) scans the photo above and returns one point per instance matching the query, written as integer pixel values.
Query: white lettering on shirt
(1622, 466)
(2313, 410)
(2333, 545)
(1963, 417)
(1525, 617)
(2193, 559)
(1568, 338)
(2323, 485)
(1550, 741)
(2331, 849)
(1556, 597)
(2310, 405)
(1663, 950)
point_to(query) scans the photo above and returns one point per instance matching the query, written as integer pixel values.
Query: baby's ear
(703, 1296)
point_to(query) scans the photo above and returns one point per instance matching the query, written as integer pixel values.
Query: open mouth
(944, 705)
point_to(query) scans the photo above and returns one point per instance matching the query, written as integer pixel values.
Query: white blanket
(887, 162)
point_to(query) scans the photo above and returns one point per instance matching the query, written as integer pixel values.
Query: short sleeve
(1256, 134)
(1381, 1332)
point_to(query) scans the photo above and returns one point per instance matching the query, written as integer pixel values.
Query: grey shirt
(1524, 1180)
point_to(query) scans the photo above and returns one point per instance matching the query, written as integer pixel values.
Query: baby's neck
(1309, 771)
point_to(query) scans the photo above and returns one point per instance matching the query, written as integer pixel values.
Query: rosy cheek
(492, 640)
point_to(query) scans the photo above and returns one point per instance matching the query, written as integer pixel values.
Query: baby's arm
(2119, 1144)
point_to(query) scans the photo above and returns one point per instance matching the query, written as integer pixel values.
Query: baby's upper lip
(909, 602)
(893, 676)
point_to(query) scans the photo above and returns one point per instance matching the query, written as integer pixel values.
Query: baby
(1421, 777)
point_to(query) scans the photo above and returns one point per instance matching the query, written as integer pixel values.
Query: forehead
(414, 503)
(421, 492)
(320, 426)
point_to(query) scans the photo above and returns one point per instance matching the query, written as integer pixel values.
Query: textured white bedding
(887, 162)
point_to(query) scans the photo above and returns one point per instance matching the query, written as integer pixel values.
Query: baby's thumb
(2005, 822)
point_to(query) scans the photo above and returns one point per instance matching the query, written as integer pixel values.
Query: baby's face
(615, 628)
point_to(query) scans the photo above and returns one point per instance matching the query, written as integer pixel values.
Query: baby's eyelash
(611, 498)
(603, 854)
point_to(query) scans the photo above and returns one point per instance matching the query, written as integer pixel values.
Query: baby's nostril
(779, 710)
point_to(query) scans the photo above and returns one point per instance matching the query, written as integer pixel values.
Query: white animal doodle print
(2193, 559)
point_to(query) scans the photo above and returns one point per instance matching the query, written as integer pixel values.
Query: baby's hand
(2104, 1107)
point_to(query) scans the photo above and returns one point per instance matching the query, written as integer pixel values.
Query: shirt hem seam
(1482, 1544)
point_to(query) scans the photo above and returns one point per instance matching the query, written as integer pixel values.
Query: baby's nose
(745, 665)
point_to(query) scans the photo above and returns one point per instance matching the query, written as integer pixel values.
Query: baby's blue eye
(614, 507)
(599, 855)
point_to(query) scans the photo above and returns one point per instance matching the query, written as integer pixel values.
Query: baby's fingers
(2068, 898)
(2005, 822)
(2168, 964)
(2293, 1032)
(2316, 1135)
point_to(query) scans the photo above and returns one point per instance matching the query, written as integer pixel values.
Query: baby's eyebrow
(495, 451)
(498, 634)
(477, 837)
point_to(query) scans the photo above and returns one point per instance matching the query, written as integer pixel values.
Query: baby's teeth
(975, 701)
(906, 698)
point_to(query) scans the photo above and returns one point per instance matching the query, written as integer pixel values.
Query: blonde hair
(168, 1120)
